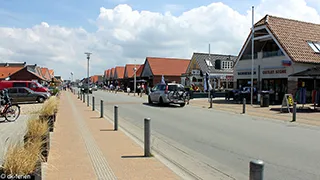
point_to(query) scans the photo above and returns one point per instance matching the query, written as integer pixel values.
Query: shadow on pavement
(107, 130)
(299, 110)
(138, 156)
(95, 117)
(162, 106)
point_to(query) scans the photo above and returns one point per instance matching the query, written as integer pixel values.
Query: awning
(311, 72)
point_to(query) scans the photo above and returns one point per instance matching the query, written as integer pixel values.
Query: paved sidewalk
(312, 118)
(86, 147)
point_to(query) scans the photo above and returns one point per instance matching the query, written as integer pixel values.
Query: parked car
(84, 89)
(94, 88)
(34, 86)
(23, 94)
(171, 93)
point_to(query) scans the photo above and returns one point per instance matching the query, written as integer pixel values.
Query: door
(13, 93)
(153, 93)
(159, 91)
(25, 95)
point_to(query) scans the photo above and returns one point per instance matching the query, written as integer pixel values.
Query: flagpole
(252, 56)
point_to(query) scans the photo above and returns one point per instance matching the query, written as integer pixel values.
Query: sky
(56, 34)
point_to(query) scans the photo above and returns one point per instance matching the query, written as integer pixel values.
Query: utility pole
(135, 78)
(252, 56)
(88, 57)
(209, 80)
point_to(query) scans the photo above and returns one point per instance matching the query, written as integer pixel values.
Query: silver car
(171, 93)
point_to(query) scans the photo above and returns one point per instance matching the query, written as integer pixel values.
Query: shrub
(36, 128)
(50, 106)
(20, 160)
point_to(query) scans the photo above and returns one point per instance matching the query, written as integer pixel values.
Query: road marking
(100, 164)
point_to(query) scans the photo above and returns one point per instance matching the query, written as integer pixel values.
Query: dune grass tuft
(50, 106)
(20, 160)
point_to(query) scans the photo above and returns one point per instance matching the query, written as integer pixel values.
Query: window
(227, 65)
(22, 90)
(12, 91)
(209, 63)
(32, 86)
(315, 46)
(19, 84)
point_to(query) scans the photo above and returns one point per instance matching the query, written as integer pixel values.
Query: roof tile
(293, 36)
(7, 71)
(168, 66)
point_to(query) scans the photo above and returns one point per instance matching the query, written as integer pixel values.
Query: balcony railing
(249, 56)
(272, 53)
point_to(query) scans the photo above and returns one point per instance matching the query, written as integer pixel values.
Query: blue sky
(79, 13)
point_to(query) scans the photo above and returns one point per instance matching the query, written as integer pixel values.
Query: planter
(50, 120)
(36, 175)
(45, 148)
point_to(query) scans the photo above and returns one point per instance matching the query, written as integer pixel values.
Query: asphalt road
(227, 142)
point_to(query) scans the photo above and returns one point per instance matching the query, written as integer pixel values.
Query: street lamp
(252, 56)
(88, 57)
(209, 80)
(135, 78)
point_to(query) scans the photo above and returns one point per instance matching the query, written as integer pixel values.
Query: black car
(23, 94)
(84, 89)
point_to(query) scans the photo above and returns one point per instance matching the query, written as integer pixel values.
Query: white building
(281, 47)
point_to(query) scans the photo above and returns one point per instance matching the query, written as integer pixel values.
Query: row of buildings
(282, 48)
(24, 72)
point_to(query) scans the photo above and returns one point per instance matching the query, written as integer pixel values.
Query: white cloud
(125, 34)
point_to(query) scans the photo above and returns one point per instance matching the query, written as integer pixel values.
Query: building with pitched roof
(7, 69)
(171, 68)
(281, 47)
(128, 74)
(218, 66)
(29, 73)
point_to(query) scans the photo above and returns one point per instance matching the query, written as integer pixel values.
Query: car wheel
(149, 100)
(182, 104)
(40, 99)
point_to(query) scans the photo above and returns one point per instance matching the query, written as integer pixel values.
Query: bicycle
(10, 112)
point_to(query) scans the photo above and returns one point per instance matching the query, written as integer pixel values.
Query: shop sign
(246, 73)
(273, 71)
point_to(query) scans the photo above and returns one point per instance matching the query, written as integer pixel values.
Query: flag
(162, 80)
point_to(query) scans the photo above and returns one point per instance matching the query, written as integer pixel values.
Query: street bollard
(116, 118)
(294, 112)
(210, 101)
(147, 150)
(92, 103)
(84, 98)
(256, 170)
(101, 109)
(88, 100)
(80, 97)
(244, 106)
